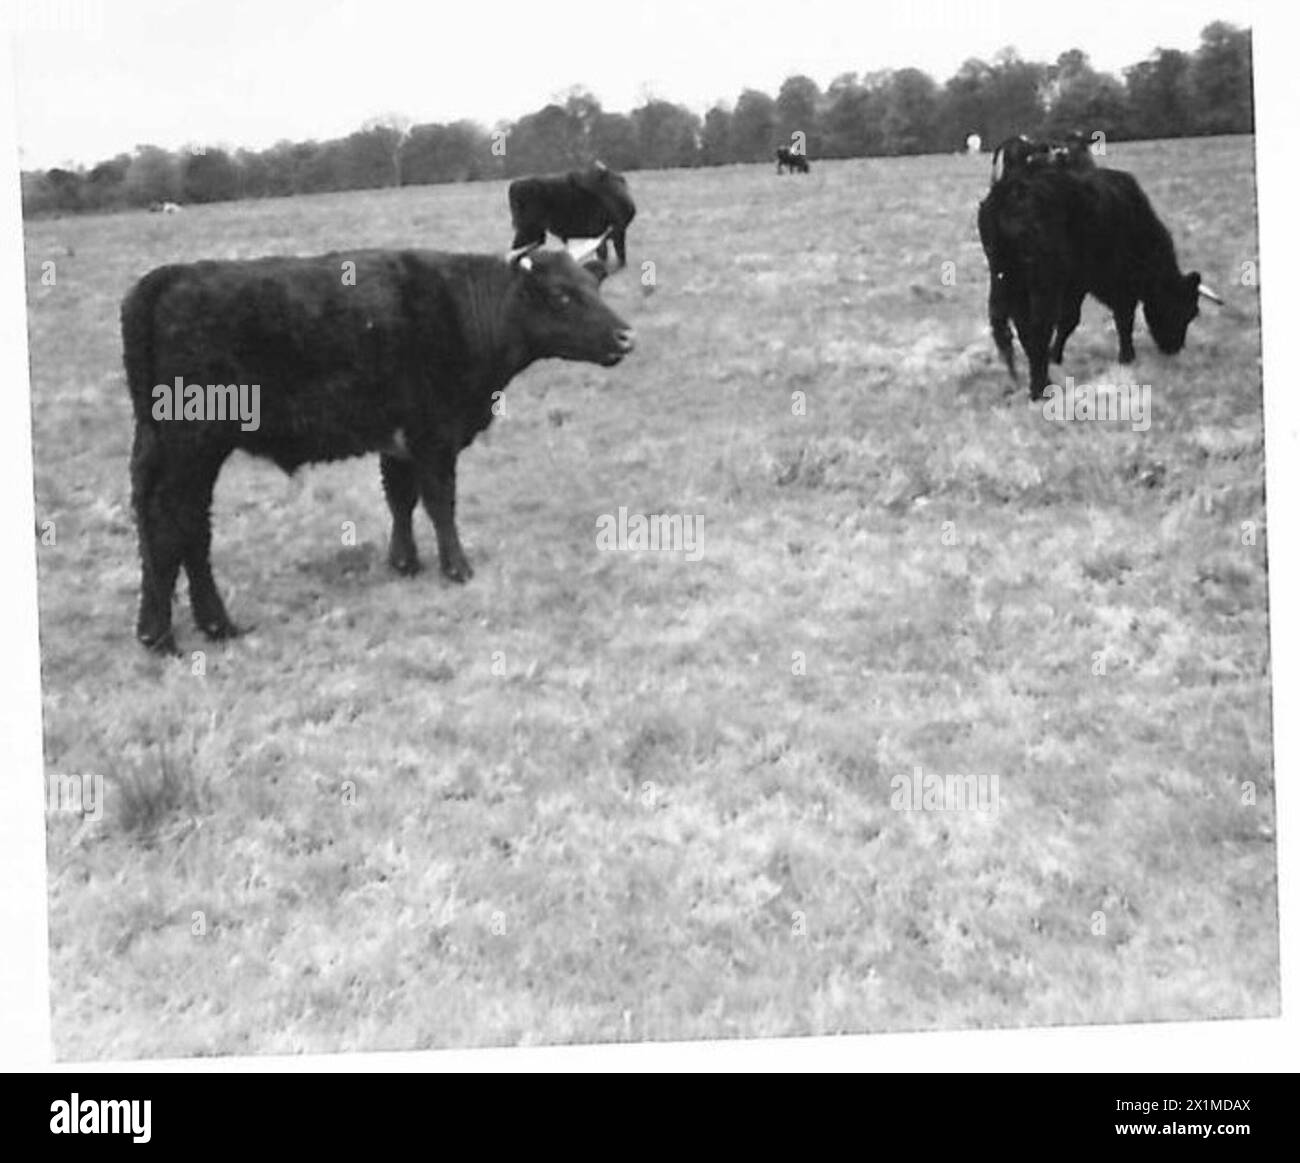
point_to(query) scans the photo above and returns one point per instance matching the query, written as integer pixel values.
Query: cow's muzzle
(624, 343)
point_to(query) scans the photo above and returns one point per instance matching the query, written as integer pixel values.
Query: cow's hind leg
(195, 514)
(402, 491)
(436, 475)
(1065, 326)
(1124, 325)
(162, 544)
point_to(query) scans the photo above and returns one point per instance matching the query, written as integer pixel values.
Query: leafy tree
(753, 127)
(1080, 99)
(1222, 101)
(715, 137)
(322, 167)
(851, 121)
(459, 152)
(154, 175)
(105, 185)
(1159, 95)
(208, 175)
(583, 111)
(549, 140)
(796, 112)
(966, 105)
(1015, 96)
(381, 136)
(613, 139)
(911, 112)
(64, 189)
(667, 135)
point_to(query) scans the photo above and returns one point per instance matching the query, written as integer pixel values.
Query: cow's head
(611, 189)
(1170, 312)
(557, 305)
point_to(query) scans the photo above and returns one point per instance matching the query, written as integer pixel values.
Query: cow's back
(344, 348)
(1129, 248)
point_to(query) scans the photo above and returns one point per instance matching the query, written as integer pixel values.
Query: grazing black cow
(1053, 234)
(399, 352)
(786, 158)
(580, 204)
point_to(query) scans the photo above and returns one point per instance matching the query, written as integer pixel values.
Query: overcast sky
(250, 72)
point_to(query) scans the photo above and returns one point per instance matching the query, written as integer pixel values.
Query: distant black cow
(580, 204)
(1053, 234)
(401, 353)
(786, 158)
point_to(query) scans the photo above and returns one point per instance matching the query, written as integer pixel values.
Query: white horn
(1209, 294)
(515, 255)
(588, 248)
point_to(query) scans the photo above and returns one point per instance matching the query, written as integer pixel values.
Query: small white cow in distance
(164, 208)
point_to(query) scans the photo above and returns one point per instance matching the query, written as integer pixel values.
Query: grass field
(621, 796)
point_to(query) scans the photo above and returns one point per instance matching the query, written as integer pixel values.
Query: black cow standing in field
(581, 204)
(786, 158)
(1054, 233)
(404, 359)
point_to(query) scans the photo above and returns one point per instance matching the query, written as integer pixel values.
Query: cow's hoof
(224, 628)
(164, 644)
(459, 571)
(407, 564)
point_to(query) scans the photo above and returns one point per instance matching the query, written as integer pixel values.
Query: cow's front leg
(194, 511)
(999, 325)
(436, 475)
(401, 491)
(1035, 324)
(1035, 333)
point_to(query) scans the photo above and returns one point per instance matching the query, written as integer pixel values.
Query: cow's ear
(595, 267)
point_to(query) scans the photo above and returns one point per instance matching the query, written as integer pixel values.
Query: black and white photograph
(563, 525)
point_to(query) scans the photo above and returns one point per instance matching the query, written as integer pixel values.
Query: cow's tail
(138, 310)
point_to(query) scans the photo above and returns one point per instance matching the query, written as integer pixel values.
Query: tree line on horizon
(887, 113)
